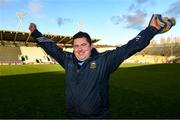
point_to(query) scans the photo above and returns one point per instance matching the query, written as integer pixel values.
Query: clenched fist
(163, 24)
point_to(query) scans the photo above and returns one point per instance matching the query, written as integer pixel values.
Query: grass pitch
(136, 91)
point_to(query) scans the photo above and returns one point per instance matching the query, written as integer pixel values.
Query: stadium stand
(9, 55)
(21, 48)
(147, 59)
(31, 55)
(164, 50)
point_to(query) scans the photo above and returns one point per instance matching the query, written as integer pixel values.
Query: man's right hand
(32, 27)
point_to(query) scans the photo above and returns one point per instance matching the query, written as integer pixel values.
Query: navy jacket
(87, 87)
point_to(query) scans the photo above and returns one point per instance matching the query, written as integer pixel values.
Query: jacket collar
(94, 52)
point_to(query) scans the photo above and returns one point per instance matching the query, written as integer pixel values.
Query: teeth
(81, 53)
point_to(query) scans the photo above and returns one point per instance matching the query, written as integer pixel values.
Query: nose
(80, 48)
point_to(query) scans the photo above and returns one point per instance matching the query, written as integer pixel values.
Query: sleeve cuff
(152, 31)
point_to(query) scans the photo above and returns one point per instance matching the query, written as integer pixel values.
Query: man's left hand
(163, 24)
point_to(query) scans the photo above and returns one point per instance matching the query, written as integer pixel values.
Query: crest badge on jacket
(93, 65)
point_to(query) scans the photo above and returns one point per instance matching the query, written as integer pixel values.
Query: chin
(82, 59)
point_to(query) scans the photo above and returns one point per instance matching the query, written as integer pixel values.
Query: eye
(84, 44)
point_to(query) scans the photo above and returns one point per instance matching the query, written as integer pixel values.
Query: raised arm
(117, 56)
(48, 45)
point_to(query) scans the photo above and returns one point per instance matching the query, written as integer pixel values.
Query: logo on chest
(93, 65)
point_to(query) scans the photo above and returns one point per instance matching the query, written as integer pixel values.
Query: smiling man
(88, 72)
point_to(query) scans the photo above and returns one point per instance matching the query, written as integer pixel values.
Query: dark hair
(81, 34)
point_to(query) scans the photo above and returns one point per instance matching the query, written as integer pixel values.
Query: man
(87, 71)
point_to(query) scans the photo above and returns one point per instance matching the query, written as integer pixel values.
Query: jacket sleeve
(50, 47)
(117, 56)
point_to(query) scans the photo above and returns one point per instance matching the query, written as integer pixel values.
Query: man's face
(82, 49)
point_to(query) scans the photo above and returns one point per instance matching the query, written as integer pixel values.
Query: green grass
(136, 91)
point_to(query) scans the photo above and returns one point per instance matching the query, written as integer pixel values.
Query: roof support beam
(15, 36)
(61, 39)
(70, 41)
(1, 35)
(27, 38)
(52, 37)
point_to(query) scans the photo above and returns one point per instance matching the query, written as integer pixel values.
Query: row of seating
(147, 59)
(23, 55)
